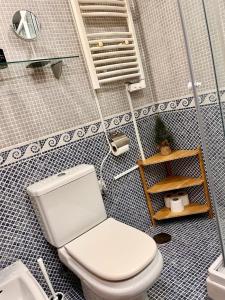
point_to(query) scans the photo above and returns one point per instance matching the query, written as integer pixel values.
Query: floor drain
(162, 238)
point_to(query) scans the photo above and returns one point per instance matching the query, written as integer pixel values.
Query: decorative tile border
(28, 150)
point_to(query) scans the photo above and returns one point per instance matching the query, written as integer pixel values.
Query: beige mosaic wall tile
(199, 43)
(167, 59)
(215, 11)
(35, 104)
(166, 51)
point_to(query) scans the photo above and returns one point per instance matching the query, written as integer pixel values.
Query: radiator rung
(97, 8)
(117, 2)
(116, 59)
(116, 66)
(112, 47)
(115, 53)
(111, 41)
(104, 14)
(117, 72)
(101, 34)
(118, 78)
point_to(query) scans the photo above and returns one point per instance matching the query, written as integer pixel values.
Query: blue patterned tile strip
(41, 146)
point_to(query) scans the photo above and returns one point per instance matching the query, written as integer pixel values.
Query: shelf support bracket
(57, 69)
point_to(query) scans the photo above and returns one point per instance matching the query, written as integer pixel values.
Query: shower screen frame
(200, 119)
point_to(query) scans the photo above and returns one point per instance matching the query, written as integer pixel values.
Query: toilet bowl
(114, 261)
(95, 288)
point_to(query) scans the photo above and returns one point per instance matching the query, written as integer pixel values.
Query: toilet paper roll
(176, 205)
(168, 198)
(184, 197)
(120, 140)
(119, 150)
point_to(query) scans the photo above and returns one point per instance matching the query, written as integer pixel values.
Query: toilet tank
(68, 204)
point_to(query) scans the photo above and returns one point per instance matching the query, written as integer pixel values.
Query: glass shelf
(50, 60)
(56, 63)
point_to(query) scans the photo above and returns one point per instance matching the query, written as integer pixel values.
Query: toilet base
(89, 295)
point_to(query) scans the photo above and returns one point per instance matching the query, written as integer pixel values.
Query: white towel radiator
(110, 56)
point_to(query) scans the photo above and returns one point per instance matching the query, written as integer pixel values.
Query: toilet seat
(113, 251)
(125, 289)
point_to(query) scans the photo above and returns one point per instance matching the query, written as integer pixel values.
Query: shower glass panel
(214, 12)
(204, 34)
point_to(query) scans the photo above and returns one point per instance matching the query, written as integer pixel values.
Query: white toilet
(113, 261)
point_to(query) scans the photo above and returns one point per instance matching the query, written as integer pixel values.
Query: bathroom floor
(194, 246)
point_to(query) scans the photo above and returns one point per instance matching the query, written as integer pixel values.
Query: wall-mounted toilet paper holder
(119, 143)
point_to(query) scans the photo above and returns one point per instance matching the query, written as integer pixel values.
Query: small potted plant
(163, 138)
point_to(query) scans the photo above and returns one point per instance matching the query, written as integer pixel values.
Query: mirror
(26, 25)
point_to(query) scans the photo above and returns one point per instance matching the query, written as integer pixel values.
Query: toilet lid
(113, 251)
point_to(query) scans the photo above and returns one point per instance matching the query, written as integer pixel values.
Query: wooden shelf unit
(175, 155)
(172, 182)
(192, 209)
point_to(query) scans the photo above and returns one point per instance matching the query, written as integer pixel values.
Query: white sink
(17, 283)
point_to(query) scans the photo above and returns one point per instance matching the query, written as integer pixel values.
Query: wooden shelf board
(192, 209)
(174, 183)
(159, 158)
